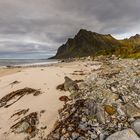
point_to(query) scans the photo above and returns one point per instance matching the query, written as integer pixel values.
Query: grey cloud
(39, 25)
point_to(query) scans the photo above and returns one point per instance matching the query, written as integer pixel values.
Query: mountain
(87, 43)
(130, 47)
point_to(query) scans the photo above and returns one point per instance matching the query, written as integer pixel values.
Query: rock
(70, 85)
(100, 114)
(136, 126)
(65, 137)
(63, 131)
(92, 135)
(82, 138)
(83, 126)
(23, 127)
(113, 89)
(84, 120)
(90, 123)
(110, 109)
(127, 134)
(101, 136)
(90, 104)
(75, 135)
(120, 111)
(131, 110)
(64, 98)
(60, 87)
(26, 124)
(55, 136)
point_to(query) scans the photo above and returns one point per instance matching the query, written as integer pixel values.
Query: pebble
(75, 135)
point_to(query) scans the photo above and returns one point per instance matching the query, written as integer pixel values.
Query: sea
(33, 59)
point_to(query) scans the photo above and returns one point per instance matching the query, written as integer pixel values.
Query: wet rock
(127, 134)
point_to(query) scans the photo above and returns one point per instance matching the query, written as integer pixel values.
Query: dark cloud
(39, 25)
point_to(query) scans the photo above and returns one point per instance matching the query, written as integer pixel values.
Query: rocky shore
(106, 105)
(91, 99)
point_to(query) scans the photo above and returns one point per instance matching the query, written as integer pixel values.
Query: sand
(8, 71)
(44, 78)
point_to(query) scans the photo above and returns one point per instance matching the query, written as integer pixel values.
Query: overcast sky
(39, 25)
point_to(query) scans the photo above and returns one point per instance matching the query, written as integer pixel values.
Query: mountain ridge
(87, 43)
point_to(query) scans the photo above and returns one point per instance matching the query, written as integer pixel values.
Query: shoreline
(10, 63)
(11, 69)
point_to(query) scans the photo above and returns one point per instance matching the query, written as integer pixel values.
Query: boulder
(127, 134)
(136, 126)
(70, 85)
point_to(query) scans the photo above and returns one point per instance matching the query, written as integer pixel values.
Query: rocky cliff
(87, 43)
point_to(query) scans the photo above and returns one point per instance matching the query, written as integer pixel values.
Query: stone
(83, 126)
(26, 124)
(22, 128)
(84, 120)
(64, 98)
(101, 136)
(82, 138)
(100, 114)
(70, 128)
(90, 123)
(131, 110)
(113, 89)
(56, 136)
(127, 134)
(63, 131)
(93, 136)
(110, 109)
(120, 111)
(75, 135)
(65, 137)
(70, 85)
(136, 126)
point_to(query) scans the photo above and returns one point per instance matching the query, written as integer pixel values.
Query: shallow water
(24, 62)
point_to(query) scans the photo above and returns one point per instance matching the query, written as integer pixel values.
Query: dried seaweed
(16, 95)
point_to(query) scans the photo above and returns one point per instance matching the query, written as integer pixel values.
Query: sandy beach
(45, 79)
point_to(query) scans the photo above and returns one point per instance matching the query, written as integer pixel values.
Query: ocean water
(26, 59)
(25, 62)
